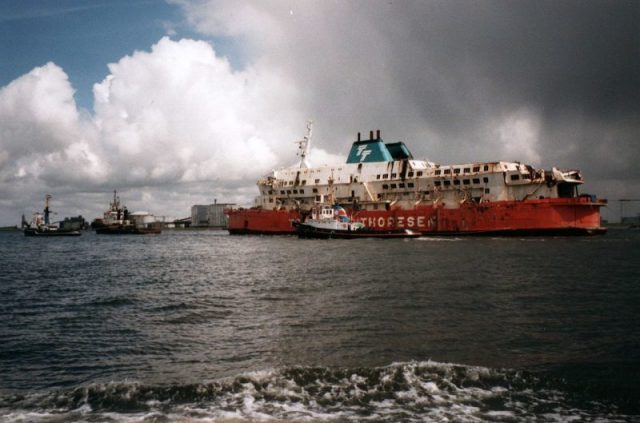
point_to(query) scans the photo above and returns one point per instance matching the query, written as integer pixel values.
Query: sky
(183, 102)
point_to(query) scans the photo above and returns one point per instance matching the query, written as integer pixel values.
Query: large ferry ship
(385, 188)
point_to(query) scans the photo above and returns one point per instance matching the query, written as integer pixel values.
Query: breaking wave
(400, 392)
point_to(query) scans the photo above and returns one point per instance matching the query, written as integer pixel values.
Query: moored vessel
(385, 188)
(116, 221)
(42, 226)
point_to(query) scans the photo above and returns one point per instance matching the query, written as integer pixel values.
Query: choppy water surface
(203, 326)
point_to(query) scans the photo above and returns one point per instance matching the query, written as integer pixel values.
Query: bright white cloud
(177, 114)
(180, 113)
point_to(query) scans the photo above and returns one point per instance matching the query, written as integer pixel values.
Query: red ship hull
(550, 216)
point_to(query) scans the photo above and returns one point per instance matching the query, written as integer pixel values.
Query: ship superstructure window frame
(486, 168)
(476, 180)
(447, 183)
(456, 182)
(419, 173)
(437, 172)
(485, 180)
(385, 176)
(385, 186)
(467, 170)
(515, 177)
(447, 171)
(476, 169)
(394, 175)
(410, 174)
(437, 183)
(466, 182)
(410, 184)
(317, 181)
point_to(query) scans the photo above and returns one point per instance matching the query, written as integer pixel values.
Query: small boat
(326, 222)
(41, 226)
(117, 221)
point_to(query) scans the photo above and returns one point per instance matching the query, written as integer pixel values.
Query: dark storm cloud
(443, 72)
(576, 64)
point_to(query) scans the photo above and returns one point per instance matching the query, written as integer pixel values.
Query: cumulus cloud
(177, 114)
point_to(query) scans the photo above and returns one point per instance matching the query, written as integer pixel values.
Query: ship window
(447, 183)
(410, 184)
(290, 182)
(271, 200)
(393, 175)
(375, 206)
(486, 168)
(288, 191)
(436, 183)
(410, 174)
(447, 171)
(485, 180)
(385, 186)
(438, 172)
(456, 170)
(467, 169)
(419, 173)
(400, 185)
(377, 176)
(476, 168)
(524, 176)
(393, 186)
(486, 190)
(295, 191)
(456, 182)
(301, 191)
(515, 177)
(270, 192)
(476, 180)
(304, 182)
(282, 192)
(466, 181)
(315, 190)
(385, 176)
(317, 181)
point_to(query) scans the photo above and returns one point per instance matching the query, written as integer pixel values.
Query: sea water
(202, 326)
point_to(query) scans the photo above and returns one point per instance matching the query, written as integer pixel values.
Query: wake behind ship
(385, 188)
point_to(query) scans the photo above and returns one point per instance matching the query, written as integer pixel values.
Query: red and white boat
(327, 222)
(385, 188)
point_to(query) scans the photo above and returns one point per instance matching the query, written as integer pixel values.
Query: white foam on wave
(407, 391)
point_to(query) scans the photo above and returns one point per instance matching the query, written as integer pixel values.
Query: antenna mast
(304, 145)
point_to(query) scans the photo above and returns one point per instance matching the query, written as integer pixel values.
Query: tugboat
(116, 222)
(326, 222)
(41, 226)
